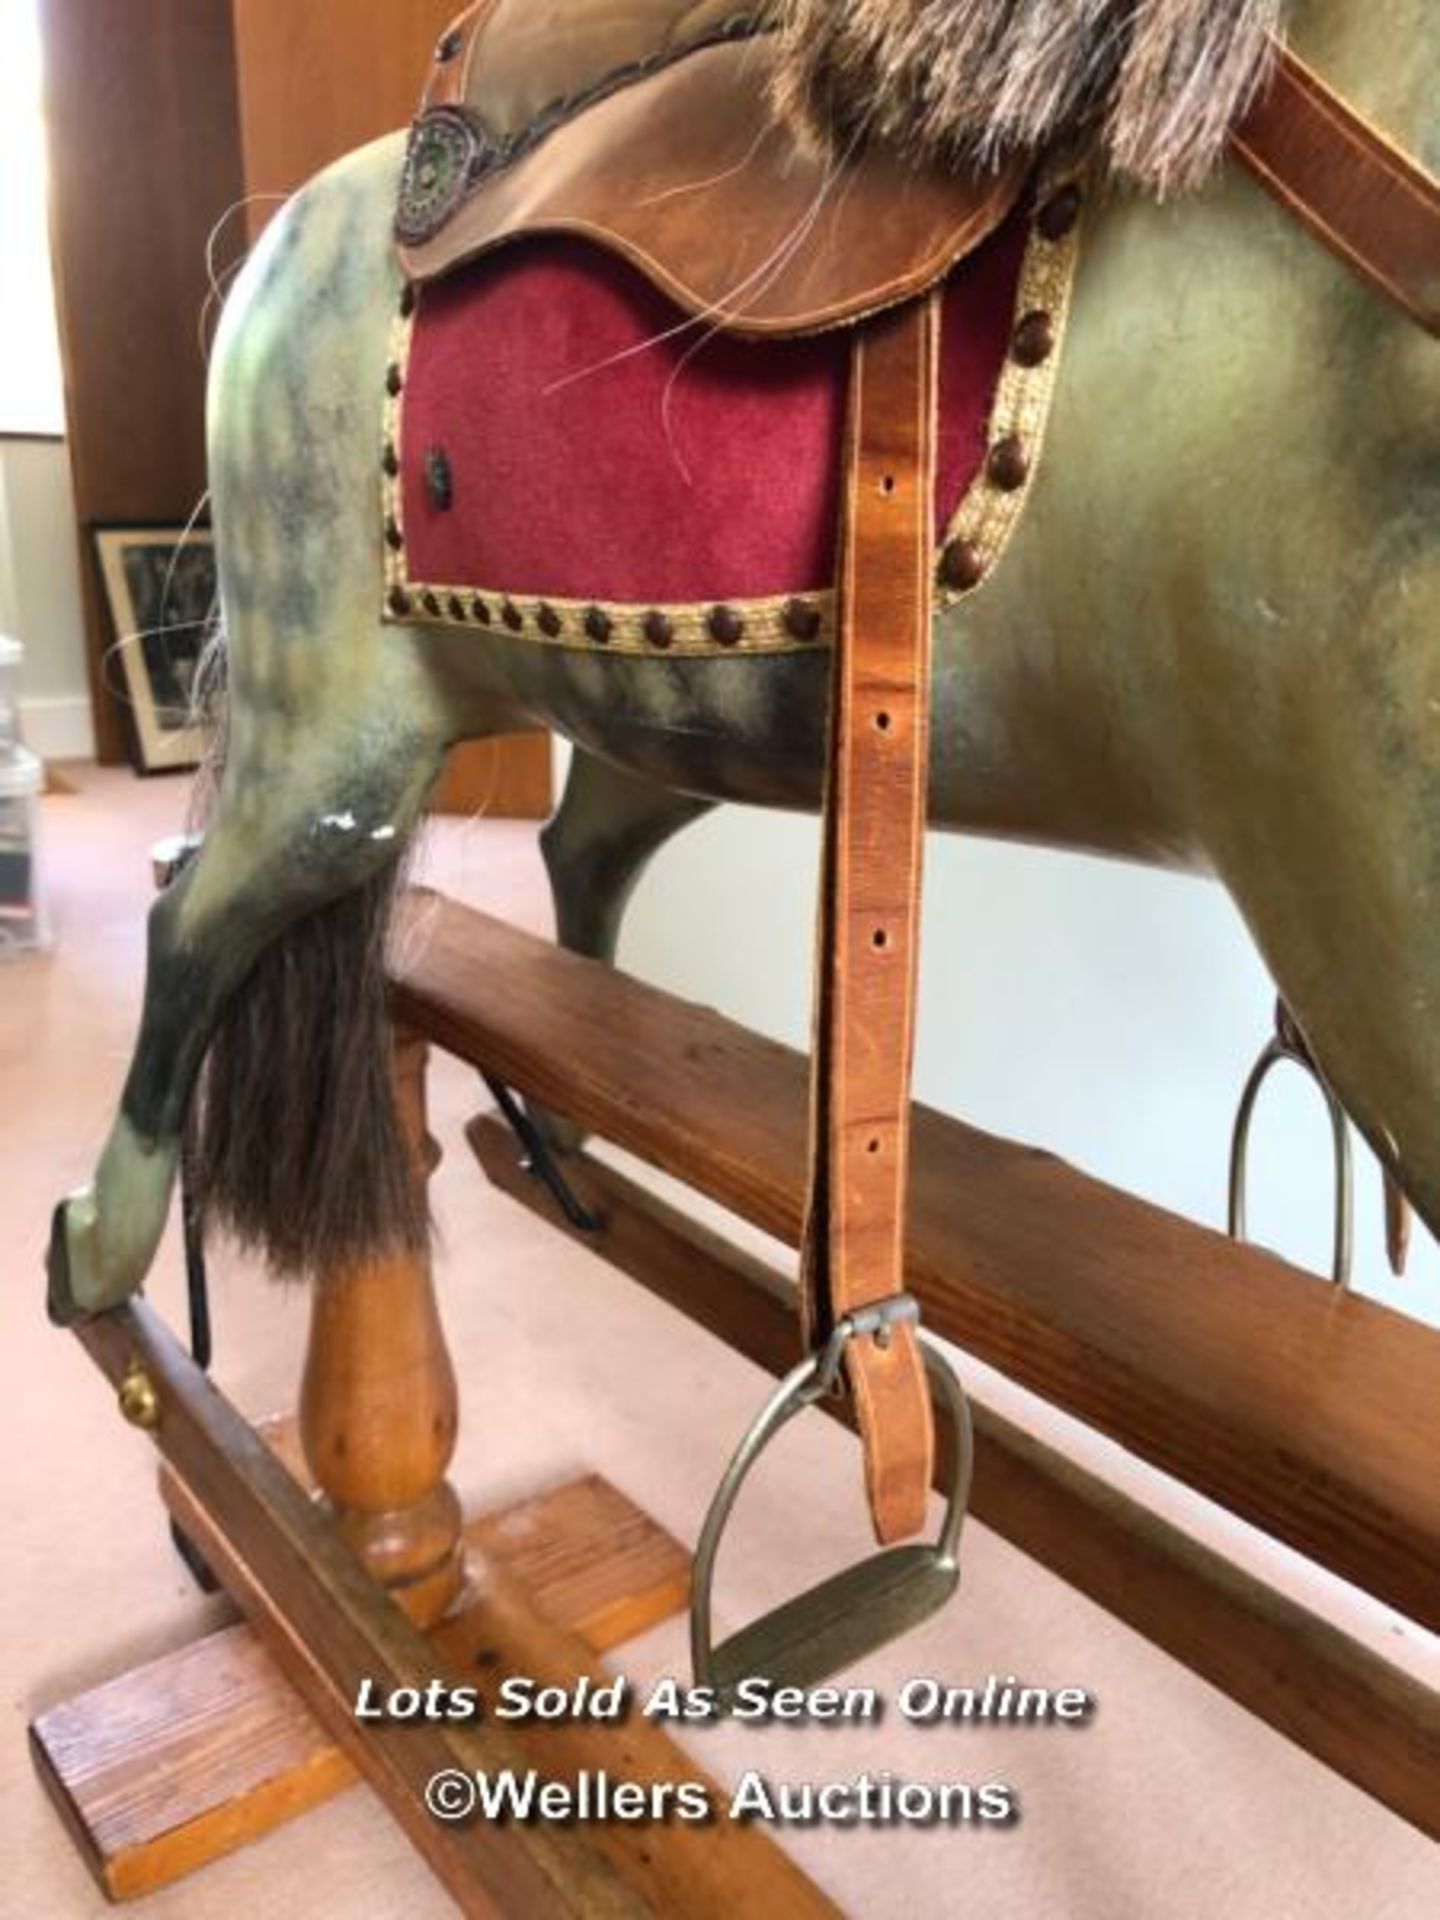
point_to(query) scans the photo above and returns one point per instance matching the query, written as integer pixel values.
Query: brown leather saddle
(645, 128)
(671, 158)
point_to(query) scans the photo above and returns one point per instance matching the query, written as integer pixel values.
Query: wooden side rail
(1302, 1411)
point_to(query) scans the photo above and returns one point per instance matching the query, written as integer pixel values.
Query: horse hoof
(77, 1285)
(560, 1135)
(60, 1302)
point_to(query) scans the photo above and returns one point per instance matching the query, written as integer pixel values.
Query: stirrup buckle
(878, 1318)
(863, 1607)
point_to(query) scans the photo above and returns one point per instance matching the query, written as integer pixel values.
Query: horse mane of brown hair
(1152, 86)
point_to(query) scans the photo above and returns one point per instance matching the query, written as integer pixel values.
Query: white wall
(40, 596)
(1103, 1011)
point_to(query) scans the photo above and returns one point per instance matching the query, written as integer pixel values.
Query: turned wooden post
(378, 1403)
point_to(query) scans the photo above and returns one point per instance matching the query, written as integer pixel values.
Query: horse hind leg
(335, 725)
(607, 828)
(283, 867)
(268, 946)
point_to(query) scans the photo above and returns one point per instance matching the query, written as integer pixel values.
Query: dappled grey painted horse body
(1214, 642)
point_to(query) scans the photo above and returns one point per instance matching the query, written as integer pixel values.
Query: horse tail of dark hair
(294, 1145)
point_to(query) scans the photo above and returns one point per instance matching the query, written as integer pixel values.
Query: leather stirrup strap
(869, 918)
(1375, 207)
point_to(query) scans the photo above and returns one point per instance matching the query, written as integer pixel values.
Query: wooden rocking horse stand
(1037, 1269)
(1033, 1267)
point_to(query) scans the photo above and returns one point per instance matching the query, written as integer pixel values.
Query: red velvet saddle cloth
(565, 431)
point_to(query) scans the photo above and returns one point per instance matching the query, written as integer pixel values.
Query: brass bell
(139, 1401)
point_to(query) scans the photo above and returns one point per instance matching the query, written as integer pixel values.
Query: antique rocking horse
(718, 356)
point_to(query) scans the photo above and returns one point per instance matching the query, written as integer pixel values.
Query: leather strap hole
(882, 722)
(880, 939)
(887, 483)
(872, 1145)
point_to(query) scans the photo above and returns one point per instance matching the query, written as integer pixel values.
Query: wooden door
(144, 161)
(313, 83)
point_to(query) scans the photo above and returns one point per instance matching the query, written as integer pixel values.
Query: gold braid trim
(990, 508)
(975, 539)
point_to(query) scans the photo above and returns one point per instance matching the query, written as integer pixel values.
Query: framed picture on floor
(160, 594)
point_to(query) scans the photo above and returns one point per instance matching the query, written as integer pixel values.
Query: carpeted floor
(1171, 1805)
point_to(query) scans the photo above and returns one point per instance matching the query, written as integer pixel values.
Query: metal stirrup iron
(863, 1607)
(860, 1323)
(1290, 1044)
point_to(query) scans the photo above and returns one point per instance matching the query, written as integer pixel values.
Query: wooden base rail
(208, 1748)
(1303, 1676)
(328, 1626)
(1304, 1412)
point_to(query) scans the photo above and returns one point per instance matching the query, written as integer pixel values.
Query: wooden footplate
(207, 1749)
(177, 1762)
(1304, 1411)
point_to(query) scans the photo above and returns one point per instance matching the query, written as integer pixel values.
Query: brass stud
(457, 607)
(1008, 465)
(512, 616)
(430, 602)
(439, 480)
(658, 629)
(1060, 212)
(393, 536)
(1034, 340)
(961, 566)
(598, 625)
(726, 626)
(398, 600)
(394, 379)
(549, 621)
(801, 619)
(390, 460)
(480, 607)
(407, 300)
(139, 1400)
